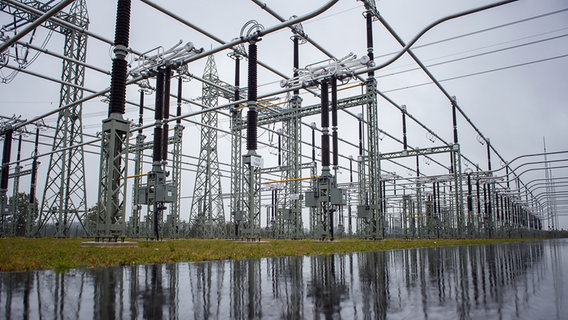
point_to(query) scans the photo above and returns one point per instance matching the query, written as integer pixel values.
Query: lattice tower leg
(16, 189)
(64, 196)
(458, 191)
(251, 190)
(292, 153)
(364, 221)
(375, 194)
(134, 225)
(314, 212)
(207, 205)
(236, 172)
(174, 218)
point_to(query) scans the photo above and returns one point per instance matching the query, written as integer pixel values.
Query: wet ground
(506, 281)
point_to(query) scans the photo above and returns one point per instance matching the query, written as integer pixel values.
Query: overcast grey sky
(509, 80)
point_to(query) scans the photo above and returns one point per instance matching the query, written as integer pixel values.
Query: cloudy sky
(506, 66)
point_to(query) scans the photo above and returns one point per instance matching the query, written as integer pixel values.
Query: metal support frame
(291, 218)
(16, 187)
(64, 196)
(207, 211)
(172, 229)
(377, 211)
(453, 225)
(112, 181)
(237, 171)
(250, 227)
(138, 150)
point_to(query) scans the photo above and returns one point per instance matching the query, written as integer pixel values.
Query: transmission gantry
(207, 212)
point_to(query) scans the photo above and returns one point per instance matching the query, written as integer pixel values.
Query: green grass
(20, 254)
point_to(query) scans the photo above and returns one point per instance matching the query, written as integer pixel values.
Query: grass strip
(21, 254)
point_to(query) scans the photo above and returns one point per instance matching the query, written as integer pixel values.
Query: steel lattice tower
(64, 196)
(292, 160)
(373, 165)
(207, 212)
(292, 170)
(173, 219)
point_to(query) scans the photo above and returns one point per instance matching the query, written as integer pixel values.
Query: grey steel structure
(207, 218)
(113, 171)
(64, 196)
(172, 229)
(134, 227)
(236, 205)
(435, 209)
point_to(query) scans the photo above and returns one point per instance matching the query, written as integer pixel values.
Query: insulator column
(469, 199)
(6, 153)
(141, 112)
(119, 63)
(334, 123)
(507, 174)
(369, 23)
(4, 181)
(166, 112)
(324, 126)
(417, 167)
(360, 135)
(237, 77)
(454, 119)
(489, 209)
(478, 197)
(486, 212)
(296, 40)
(313, 142)
(158, 117)
(34, 168)
(434, 210)
(488, 154)
(33, 181)
(179, 101)
(404, 139)
(252, 114)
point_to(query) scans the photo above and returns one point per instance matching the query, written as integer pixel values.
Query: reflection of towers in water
(374, 279)
(106, 283)
(148, 292)
(473, 278)
(157, 294)
(246, 290)
(173, 287)
(328, 287)
(206, 281)
(288, 285)
(207, 212)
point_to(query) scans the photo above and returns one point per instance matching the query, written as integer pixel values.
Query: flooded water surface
(507, 281)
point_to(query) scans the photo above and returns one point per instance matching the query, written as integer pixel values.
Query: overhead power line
(479, 73)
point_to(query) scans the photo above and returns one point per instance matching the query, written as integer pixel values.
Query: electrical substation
(191, 142)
